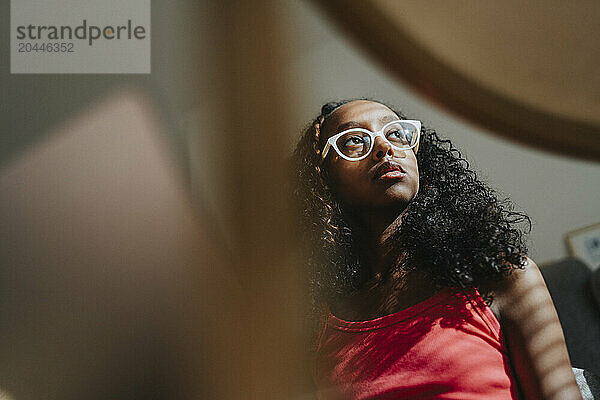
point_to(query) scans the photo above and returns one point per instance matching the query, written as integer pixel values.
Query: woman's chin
(394, 202)
(397, 195)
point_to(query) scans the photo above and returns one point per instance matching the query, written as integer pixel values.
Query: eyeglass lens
(355, 144)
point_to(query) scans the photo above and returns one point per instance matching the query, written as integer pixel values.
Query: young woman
(418, 272)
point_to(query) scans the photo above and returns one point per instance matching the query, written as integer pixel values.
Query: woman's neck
(389, 289)
(374, 229)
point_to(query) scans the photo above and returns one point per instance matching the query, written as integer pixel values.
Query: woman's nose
(382, 147)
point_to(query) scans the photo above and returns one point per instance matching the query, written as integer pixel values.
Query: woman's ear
(417, 147)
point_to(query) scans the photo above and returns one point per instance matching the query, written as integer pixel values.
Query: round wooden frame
(451, 89)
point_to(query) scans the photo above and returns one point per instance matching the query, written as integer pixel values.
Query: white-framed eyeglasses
(357, 143)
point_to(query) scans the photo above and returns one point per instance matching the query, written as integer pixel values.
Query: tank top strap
(484, 311)
(322, 328)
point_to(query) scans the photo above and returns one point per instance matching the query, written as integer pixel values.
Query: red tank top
(447, 347)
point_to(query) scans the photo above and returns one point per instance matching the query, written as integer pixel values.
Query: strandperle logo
(84, 31)
(74, 36)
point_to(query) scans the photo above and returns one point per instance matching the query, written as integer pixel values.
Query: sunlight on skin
(534, 337)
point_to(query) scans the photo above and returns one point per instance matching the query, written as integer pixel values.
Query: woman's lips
(392, 175)
(389, 170)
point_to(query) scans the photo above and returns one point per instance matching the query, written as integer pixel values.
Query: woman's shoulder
(530, 324)
(521, 288)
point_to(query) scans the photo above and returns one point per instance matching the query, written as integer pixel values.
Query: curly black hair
(455, 224)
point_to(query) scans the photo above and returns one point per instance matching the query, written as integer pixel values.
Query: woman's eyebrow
(346, 125)
(354, 124)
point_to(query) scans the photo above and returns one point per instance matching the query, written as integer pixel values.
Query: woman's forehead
(360, 111)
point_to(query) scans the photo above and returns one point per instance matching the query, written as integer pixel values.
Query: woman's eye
(397, 136)
(353, 141)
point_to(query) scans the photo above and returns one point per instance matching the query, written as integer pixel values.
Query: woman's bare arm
(534, 336)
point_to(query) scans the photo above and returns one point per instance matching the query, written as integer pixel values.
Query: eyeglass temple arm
(325, 151)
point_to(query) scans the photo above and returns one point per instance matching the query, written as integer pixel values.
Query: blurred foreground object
(99, 245)
(113, 288)
(250, 104)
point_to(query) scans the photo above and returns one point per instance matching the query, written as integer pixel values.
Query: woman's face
(386, 177)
